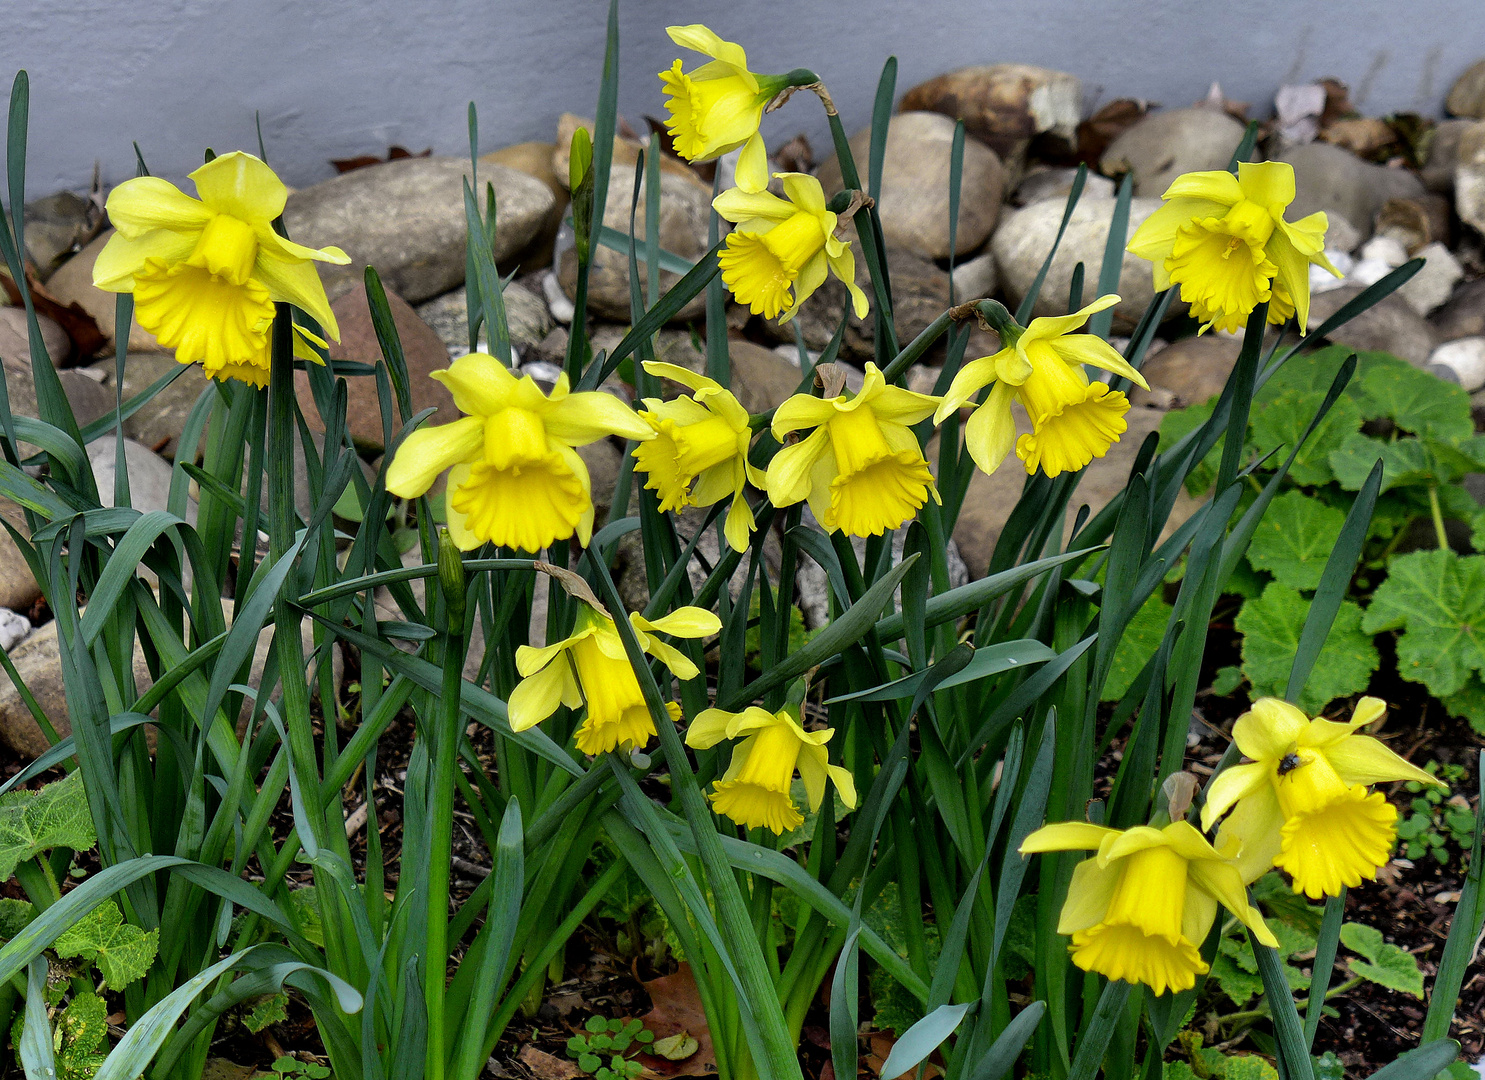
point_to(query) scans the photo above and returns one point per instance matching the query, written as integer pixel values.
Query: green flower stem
(1438, 517)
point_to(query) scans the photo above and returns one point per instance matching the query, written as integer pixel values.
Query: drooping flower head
(699, 454)
(861, 469)
(1073, 421)
(1223, 239)
(514, 477)
(591, 669)
(205, 273)
(755, 790)
(1141, 907)
(1301, 803)
(782, 249)
(718, 106)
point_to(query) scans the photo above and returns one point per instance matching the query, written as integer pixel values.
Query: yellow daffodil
(1223, 239)
(1073, 421)
(1301, 803)
(861, 469)
(699, 454)
(591, 668)
(755, 790)
(718, 106)
(205, 273)
(514, 477)
(1141, 907)
(782, 249)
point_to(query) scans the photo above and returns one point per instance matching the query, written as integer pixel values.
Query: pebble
(1329, 178)
(1431, 287)
(1166, 144)
(914, 198)
(1005, 105)
(1469, 176)
(13, 628)
(1389, 326)
(1379, 257)
(557, 302)
(1467, 95)
(1464, 314)
(15, 337)
(1322, 280)
(1057, 184)
(527, 319)
(1465, 358)
(975, 278)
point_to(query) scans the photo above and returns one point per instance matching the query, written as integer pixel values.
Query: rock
(1166, 144)
(1338, 182)
(760, 378)
(535, 160)
(15, 337)
(626, 154)
(1004, 105)
(87, 396)
(73, 284)
(1322, 280)
(1187, 372)
(13, 628)
(1057, 184)
(406, 218)
(1390, 326)
(914, 201)
(18, 589)
(1432, 286)
(1469, 176)
(1370, 137)
(1467, 95)
(422, 351)
(975, 278)
(38, 662)
(1443, 153)
(1464, 358)
(158, 423)
(149, 475)
(557, 302)
(1415, 223)
(526, 317)
(991, 499)
(813, 586)
(88, 399)
(1024, 238)
(57, 226)
(1379, 257)
(685, 213)
(1464, 314)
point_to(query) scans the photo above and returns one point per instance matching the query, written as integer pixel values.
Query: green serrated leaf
(1295, 538)
(1240, 986)
(82, 1031)
(1411, 398)
(1405, 463)
(122, 953)
(1279, 425)
(53, 816)
(1248, 1067)
(1271, 626)
(267, 1011)
(306, 911)
(1176, 425)
(1387, 965)
(1227, 680)
(14, 915)
(1437, 599)
(1137, 644)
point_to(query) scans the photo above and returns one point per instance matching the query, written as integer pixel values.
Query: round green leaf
(1295, 538)
(1271, 626)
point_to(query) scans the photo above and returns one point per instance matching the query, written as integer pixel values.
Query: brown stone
(159, 422)
(15, 337)
(1187, 372)
(1464, 314)
(535, 160)
(422, 350)
(1004, 105)
(626, 153)
(73, 284)
(1467, 95)
(18, 589)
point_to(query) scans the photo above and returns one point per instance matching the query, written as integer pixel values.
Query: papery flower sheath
(514, 477)
(591, 670)
(1301, 803)
(783, 249)
(1140, 908)
(755, 789)
(718, 106)
(699, 454)
(861, 469)
(1223, 239)
(205, 273)
(1073, 421)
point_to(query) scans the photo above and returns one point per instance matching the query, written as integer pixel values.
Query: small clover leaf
(589, 1063)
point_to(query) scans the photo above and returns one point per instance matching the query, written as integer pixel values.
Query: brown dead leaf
(546, 1066)
(880, 1046)
(394, 153)
(1107, 124)
(796, 155)
(677, 1008)
(1365, 136)
(87, 339)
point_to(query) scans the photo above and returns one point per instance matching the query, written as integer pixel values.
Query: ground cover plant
(932, 802)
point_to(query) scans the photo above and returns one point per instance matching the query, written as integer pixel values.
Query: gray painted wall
(336, 78)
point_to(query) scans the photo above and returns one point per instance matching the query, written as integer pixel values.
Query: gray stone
(526, 316)
(57, 226)
(1166, 144)
(406, 218)
(1329, 178)
(1443, 153)
(1057, 184)
(685, 214)
(1432, 286)
(89, 399)
(1187, 372)
(15, 337)
(1464, 314)
(159, 422)
(1469, 176)
(976, 278)
(1467, 95)
(813, 586)
(1390, 326)
(914, 200)
(1024, 238)
(149, 475)
(13, 628)
(73, 284)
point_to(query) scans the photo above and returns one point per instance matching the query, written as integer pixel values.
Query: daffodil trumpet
(1301, 803)
(1141, 906)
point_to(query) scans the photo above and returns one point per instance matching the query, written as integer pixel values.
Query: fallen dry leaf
(880, 1045)
(677, 1010)
(545, 1066)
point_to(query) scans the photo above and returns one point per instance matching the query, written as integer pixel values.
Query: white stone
(13, 628)
(975, 278)
(562, 309)
(1465, 357)
(1432, 285)
(1322, 280)
(1369, 271)
(1388, 249)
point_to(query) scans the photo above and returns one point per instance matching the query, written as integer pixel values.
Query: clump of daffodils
(206, 273)
(515, 478)
(1073, 420)
(1224, 241)
(1302, 803)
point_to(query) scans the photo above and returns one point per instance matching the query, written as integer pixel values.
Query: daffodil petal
(739, 205)
(429, 451)
(1361, 759)
(122, 256)
(699, 38)
(969, 380)
(804, 191)
(752, 165)
(1227, 787)
(588, 416)
(708, 729)
(740, 524)
(990, 434)
(241, 185)
(1217, 185)
(456, 521)
(686, 622)
(1088, 896)
(1269, 729)
(1268, 183)
(537, 696)
(480, 384)
(1222, 881)
(1096, 352)
(791, 472)
(145, 203)
(1066, 836)
(298, 283)
(802, 411)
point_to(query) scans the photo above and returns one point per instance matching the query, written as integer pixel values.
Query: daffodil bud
(451, 580)
(580, 183)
